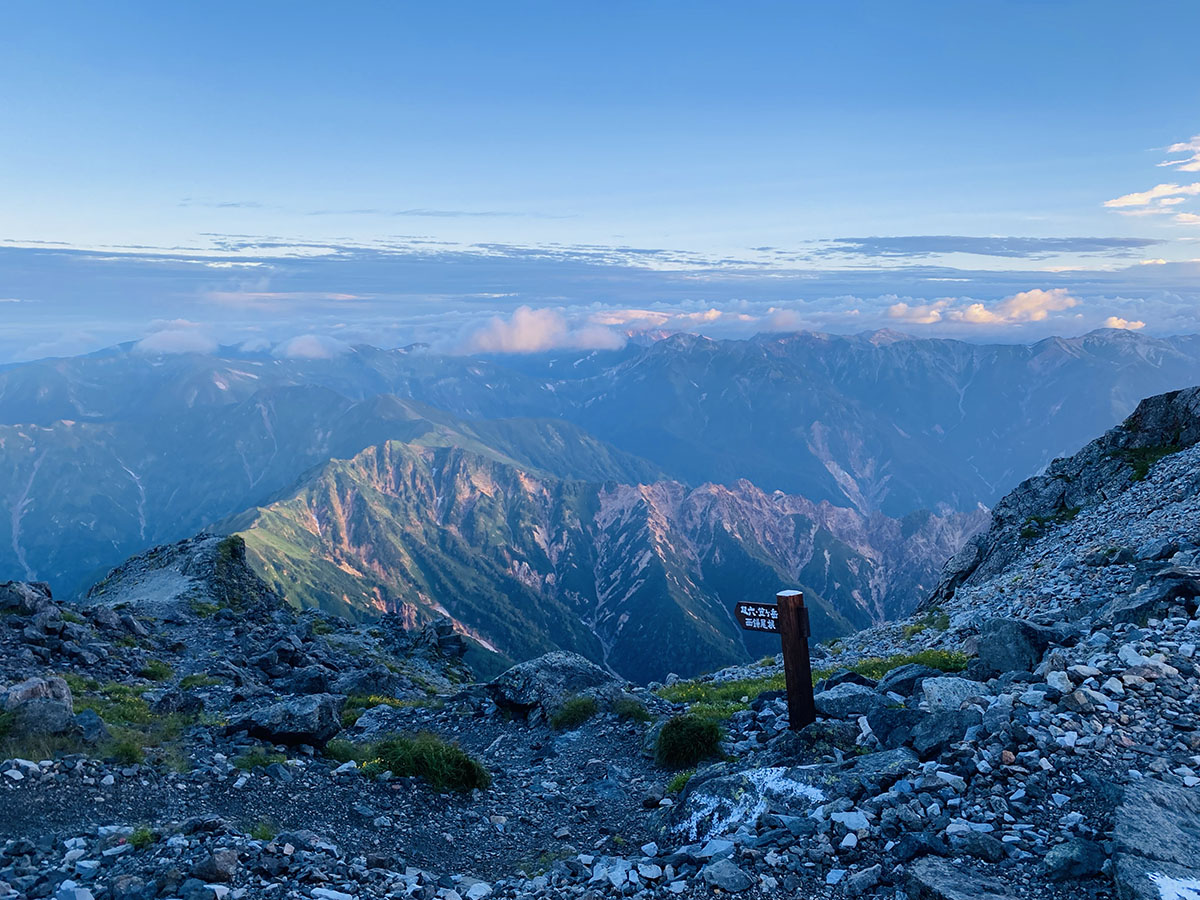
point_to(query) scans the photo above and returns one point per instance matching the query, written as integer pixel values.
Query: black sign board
(758, 616)
(788, 618)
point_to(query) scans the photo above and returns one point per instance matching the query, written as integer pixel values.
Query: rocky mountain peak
(1102, 470)
(205, 571)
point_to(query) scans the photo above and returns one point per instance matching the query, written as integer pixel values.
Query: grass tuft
(686, 740)
(680, 781)
(630, 710)
(263, 830)
(156, 670)
(875, 667)
(443, 764)
(142, 837)
(198, 680)
(573, 713)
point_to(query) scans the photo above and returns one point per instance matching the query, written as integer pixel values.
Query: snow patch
(724, 814)
(1176, 888)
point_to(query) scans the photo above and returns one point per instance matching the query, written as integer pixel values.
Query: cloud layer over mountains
(517, 300)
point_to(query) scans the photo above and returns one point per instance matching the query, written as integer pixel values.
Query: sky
(510, 177)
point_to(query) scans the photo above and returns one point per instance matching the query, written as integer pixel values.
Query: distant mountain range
(102, 456)
(641, 577)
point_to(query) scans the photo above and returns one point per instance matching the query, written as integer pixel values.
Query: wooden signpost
(788, 618)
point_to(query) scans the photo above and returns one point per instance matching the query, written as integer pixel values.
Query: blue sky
(617, 154)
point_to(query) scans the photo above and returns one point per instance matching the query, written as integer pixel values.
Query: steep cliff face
(1105, 468)
(639, 577)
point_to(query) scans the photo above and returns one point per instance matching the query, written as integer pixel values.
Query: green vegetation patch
(117, 704)
(1142, 459)
(134, 727)
(1035, 525)
(718, 691)
(443, 764)
(680, 781)
(156, 670)
(630, 710)
(934, 619)
(258, 758)
(263, 830)
(719, 700)
(142, 837)
(78, 684)
(203, 608)
(198, 680)
(875, 667)
(574, 712)
(686, 740)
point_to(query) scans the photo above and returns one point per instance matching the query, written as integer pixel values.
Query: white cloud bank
(531, 330)
(1027, 306)
(1123, 324)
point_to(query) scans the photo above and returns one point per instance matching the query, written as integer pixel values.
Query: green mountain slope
(640, 577)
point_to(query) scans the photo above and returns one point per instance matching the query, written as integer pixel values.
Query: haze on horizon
(531, 176)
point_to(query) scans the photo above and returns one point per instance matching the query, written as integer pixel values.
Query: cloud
(1187, 218)
(1158, 192)
(311, 346)
(176, 336)
(1007, 247)
(531, 330)
(1191, 162)
(918, 313)
(1025, 306)
(1123, 324)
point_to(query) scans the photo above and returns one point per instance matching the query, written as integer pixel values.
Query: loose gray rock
(543, 684)
(724, 874)
(846, 700)
(1012, 645)
(302, 720)
(932, 878)
(1074, 860)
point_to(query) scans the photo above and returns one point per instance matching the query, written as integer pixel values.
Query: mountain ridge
(433, 530)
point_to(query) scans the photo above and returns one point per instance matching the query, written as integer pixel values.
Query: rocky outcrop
(538, 687)
(311, 720)
(38, 707)
(1161, 425)
(1157, 843)
(207, 573)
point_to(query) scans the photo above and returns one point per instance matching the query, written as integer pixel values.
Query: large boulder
(38, 707)
(376, 681)
(31, 689)
(1156, 842)
(440, 636)
(539, 686)
(905, 679)
(847, 700)
(1013, 645)
(933, 878)
(26, 597)
(1172, 586)
(893, 726)
(950, 693)
(933, 734)
(312, 719)
(721, 803)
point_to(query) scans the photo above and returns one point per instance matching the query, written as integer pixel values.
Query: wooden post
(794, 629)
